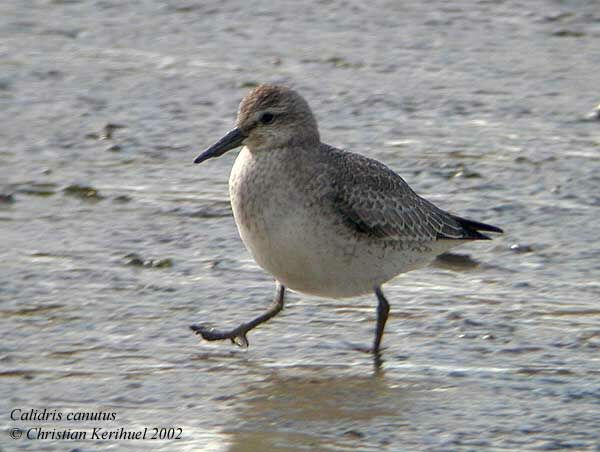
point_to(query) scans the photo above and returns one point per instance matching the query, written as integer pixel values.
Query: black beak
(232, 140)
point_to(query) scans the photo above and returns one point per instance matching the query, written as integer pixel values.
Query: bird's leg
(238, 335)
(383, 309)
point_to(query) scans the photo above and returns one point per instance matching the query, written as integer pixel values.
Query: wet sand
(113, 242)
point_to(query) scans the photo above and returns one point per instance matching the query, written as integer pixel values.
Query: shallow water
(113, 242)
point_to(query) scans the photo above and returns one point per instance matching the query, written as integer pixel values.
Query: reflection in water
(307, 412)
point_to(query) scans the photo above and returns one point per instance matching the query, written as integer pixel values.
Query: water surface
(113, 242)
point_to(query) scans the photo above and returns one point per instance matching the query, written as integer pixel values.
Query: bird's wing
(374, 200)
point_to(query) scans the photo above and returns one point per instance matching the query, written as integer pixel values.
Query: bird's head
(270, 117)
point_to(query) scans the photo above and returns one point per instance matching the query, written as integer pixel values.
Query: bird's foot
(364, 349)
(236, 335)
(375, 353)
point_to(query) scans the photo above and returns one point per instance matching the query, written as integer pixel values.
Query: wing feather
(373, 200)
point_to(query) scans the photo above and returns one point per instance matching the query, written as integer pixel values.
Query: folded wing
(377, 202)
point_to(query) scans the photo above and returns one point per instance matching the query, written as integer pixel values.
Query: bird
(321, 220)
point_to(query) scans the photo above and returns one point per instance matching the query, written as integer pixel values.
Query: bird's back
(375, 201)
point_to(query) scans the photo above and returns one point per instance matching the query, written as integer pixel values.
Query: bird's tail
(471, 228)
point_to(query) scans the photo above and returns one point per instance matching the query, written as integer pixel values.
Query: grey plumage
(375, 201)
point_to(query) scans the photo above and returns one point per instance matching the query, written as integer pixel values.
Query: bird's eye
(267, 118)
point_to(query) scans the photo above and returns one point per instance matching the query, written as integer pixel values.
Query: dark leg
(238, 335)
(383, 308)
